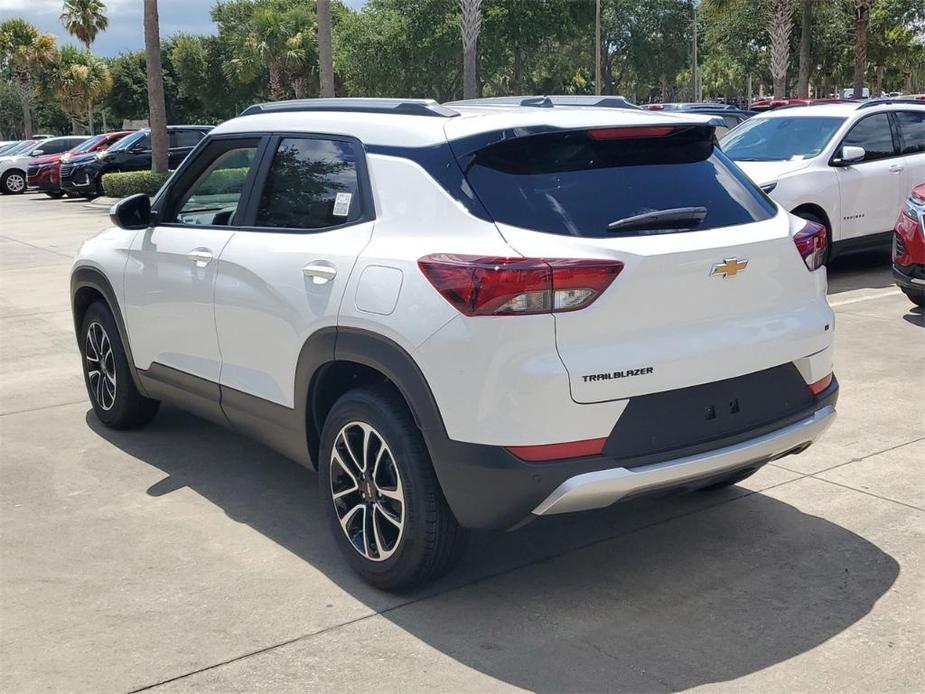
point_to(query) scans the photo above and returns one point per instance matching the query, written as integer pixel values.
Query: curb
(101, 203)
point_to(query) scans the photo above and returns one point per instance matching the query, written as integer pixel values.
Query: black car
(83, 175)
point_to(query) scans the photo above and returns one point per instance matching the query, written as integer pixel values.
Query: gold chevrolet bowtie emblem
(730, 267)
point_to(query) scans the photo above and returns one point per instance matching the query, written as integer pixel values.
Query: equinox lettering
(618, 374)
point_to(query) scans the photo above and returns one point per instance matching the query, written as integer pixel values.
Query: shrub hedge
(120, 185)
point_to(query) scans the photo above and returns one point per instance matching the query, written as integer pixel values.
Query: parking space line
(893, 291)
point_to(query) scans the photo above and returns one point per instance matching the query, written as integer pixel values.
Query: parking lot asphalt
(182, 557)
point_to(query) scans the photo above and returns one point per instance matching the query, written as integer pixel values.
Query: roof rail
(549, 101)
(881, 100)
(403, 107)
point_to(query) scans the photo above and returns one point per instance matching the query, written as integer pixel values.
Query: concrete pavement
(182, 557)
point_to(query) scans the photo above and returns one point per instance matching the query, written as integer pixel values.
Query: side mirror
(36, 153)
(849, 155)
(133, 212)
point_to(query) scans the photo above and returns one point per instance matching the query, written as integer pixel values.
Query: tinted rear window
(573, 184)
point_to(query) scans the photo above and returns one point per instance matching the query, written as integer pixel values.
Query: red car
(909, 247)
(42, 173)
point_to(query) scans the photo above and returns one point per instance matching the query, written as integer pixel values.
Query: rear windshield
(574, 183)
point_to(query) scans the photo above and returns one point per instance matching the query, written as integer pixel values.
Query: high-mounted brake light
(559, 451)
(811, 241)
(630, 133)
(478, 286)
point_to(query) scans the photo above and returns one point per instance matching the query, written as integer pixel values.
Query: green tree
(78, 80)
(271, 38)
(25, 52)
(84, 19)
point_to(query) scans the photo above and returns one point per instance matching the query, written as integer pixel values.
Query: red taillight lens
(559, 451)
(811, 241)
(478, 286)
(629, 133)
(820, 385)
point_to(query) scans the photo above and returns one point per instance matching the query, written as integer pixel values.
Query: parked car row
(74, 165)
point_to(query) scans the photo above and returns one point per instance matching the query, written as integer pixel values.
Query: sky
(125, 32)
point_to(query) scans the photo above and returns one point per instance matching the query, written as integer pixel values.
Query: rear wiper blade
(671, 219)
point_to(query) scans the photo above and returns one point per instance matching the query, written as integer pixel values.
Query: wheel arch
(363, 358)
(88, 285)
(815, 210)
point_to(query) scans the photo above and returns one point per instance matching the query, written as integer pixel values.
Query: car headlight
(768, 187)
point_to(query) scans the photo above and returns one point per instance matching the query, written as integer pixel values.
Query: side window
(185, 138)
(311, 184)
(874, 135)
(55, 147)
(218, 176)
(912, 131)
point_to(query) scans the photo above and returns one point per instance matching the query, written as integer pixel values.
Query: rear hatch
(715, 291)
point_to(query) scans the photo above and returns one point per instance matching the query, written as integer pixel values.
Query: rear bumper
(605, 487)
(488, 487)
(910, 277)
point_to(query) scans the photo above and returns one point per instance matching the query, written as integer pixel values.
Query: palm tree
(78, 79)
(157, 110)
(861, 25)
(470, 23)
(277, 40)
(84, 19)
(806, 27)
(26, 51)
(780, 23)
(325, 60)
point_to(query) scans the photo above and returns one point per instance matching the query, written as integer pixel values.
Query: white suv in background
(848, 166)
(465, 317)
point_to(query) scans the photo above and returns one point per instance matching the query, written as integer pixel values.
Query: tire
(13, 182)
(916, 297)
(830, 246)
(729, 481)
(54, 194)
(363, 508)
(115, 399)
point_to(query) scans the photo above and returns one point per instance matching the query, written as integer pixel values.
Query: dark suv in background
(83, 175)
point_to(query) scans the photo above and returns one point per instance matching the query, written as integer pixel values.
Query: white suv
(465, 317)
(848, 166)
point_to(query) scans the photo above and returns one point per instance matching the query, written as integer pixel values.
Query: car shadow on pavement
(916, 316)
(869, 269)
(651, 595)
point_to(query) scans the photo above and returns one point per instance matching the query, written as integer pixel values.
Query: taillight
(820, 385)
(559, 451)
(811, 242)
(478, 286)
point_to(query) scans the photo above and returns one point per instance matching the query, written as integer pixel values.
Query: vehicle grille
(66, 170)
(33, 170)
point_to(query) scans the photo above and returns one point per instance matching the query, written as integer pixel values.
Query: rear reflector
(478, 286)
(630, 133)
(820, 385)
(559, 451)
(811, 241)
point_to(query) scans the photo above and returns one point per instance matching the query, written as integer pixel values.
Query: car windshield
(20, 148)
(87, 145)
(780, 138)
(128, 141)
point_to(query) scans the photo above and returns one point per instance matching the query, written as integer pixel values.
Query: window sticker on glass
(342, 204)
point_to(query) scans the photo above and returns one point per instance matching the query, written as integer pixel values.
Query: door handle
(896, 168)
(200, 256)
(320, 272)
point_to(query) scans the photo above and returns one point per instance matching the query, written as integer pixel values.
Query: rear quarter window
(572, 183)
